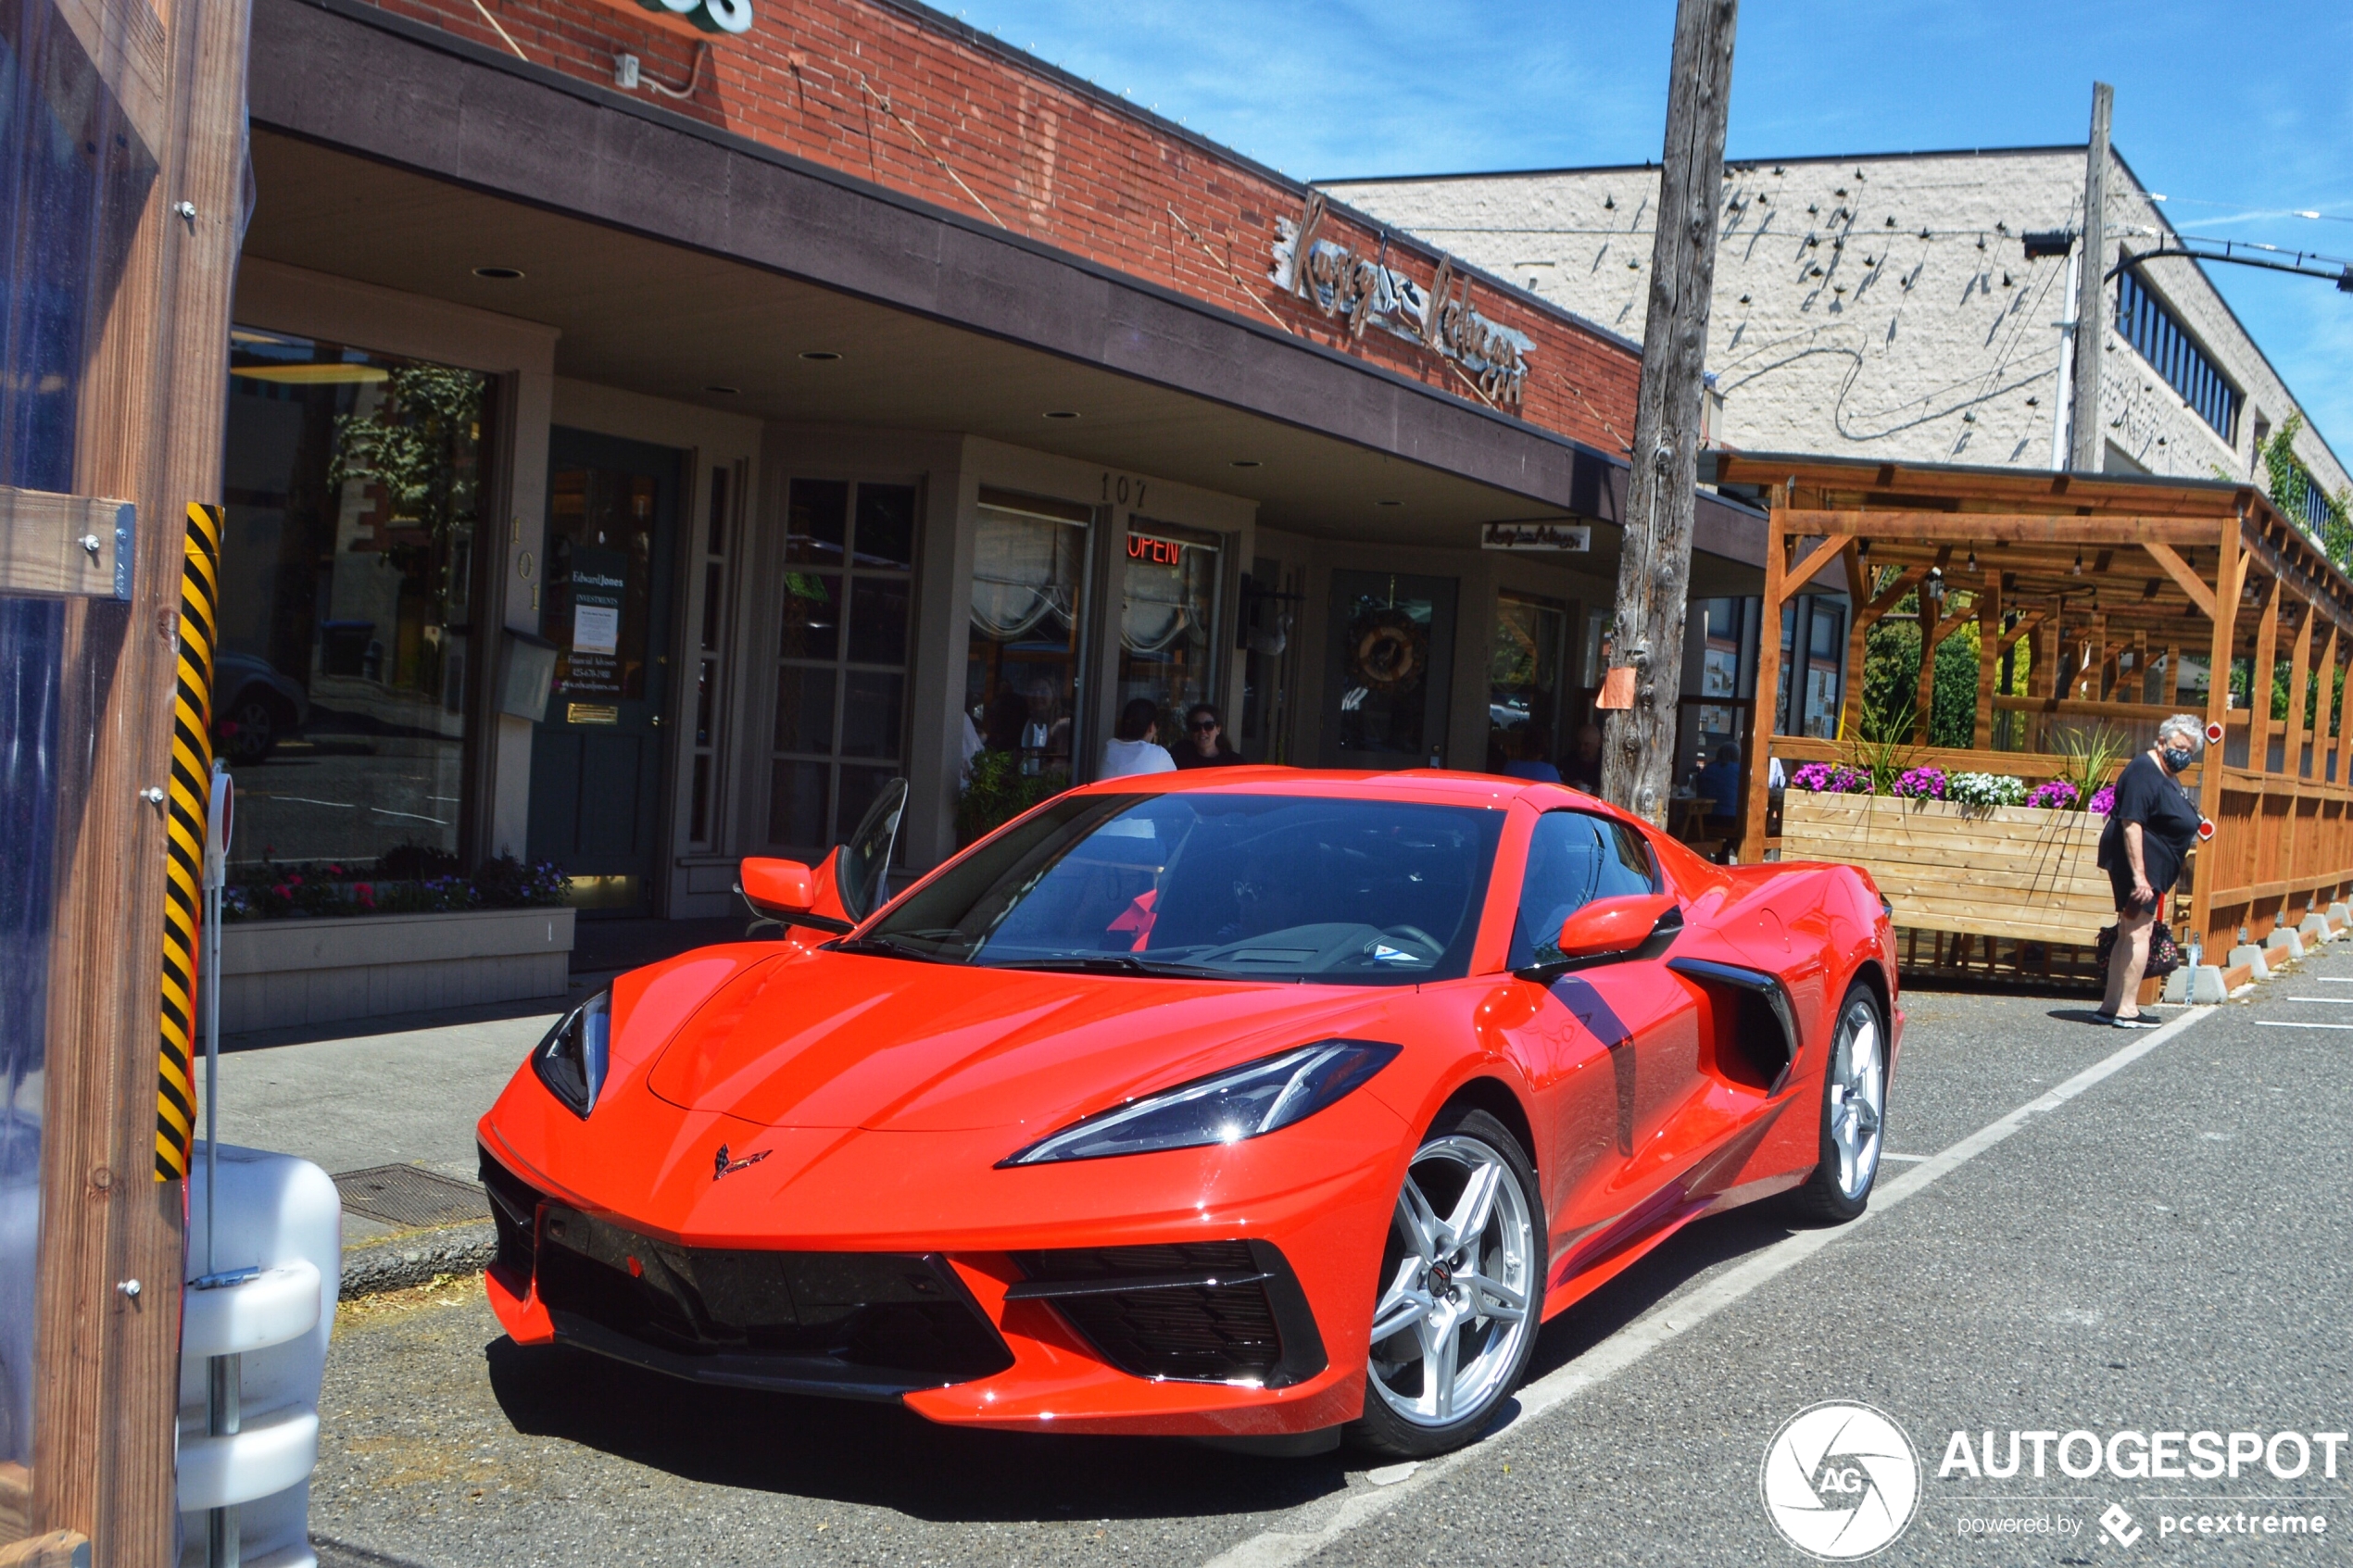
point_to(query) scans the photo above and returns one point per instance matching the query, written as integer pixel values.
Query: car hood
(829, 1039)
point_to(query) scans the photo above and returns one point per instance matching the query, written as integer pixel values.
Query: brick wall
(854, 85)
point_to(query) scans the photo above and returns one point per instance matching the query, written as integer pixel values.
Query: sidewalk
(389, 1110)
(387, 1106)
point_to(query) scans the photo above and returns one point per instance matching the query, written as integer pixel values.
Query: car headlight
(1243, 1102)
(571, 1060)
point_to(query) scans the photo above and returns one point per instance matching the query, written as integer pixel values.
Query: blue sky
(2241, 113)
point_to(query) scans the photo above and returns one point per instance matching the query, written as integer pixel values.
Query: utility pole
(1655, 555)
(2085, 449)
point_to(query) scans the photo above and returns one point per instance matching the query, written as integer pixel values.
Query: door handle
(657, 721)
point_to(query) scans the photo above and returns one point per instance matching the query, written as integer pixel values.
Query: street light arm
(2227, 250)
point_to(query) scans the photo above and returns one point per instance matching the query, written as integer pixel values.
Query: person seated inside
(1719, 783)
(1205, 743)
(1524, 750)
(1135, 746)
(1583, 770)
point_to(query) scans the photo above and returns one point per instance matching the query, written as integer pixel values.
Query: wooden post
(2324, 708)
(1762, 712)
(1924, 691)
(2228, 566)
(2089, 430)
(151, 409)
(2261, 678)
(2299, 674)
(1989, 657)
(1654, 549)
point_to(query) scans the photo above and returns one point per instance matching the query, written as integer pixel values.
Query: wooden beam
(63, 546)
(58, 1549)
(2008, 528)
(1811, 567)
(1764, 711)
(2179, 570)
(2324, 708)
(2299, 674)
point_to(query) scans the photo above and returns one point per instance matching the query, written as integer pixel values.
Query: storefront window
(354, 485)
(1169, 620)
(1523, 681)
(841, 680)
(1029, 590)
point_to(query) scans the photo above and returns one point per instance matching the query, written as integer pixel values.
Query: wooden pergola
(2113, 583)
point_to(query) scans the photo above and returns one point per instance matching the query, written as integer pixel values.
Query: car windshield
(1199, 883)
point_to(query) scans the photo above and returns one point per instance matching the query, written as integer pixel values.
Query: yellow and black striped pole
(184, 827)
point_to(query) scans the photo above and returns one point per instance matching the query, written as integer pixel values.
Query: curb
(397, 1262)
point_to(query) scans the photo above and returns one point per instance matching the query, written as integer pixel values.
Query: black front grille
(514, 1209)
(1215, 1312)
(866, 1323)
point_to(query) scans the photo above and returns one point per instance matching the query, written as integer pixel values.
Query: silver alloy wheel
(1858, 1097)
(1460, 1298)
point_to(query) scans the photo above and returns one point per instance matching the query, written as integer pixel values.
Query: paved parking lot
(2073, 1241)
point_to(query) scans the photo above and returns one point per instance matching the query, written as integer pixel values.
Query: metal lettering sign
(1371, 293)
(1550, 537)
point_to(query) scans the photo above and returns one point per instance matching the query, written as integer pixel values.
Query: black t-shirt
(2146, 793)
(1187, 755)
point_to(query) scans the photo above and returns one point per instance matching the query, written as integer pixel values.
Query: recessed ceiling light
(1389, 503)
(498, 274)
(1062, 413)
(1246, 462)
(818, 355)
(725, 391)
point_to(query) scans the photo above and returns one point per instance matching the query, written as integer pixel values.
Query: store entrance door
(1390, 671)
(596, 757)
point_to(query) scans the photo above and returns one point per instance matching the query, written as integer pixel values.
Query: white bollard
(265, 1326)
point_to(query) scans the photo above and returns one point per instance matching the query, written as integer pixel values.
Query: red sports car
(1252, 1104)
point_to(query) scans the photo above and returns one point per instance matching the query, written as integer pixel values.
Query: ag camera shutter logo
(1840, 1481)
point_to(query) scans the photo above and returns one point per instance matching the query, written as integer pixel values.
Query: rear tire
(1854, 1114)
(1461, 1291)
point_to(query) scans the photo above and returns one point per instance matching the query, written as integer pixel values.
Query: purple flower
(2103, 801)
(1921, 783)
(1814, 778)
(2056, 795)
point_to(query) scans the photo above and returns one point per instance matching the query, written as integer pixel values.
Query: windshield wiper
(888, 947)
(1112, 963)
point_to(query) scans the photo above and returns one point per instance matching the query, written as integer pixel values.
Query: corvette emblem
(721, 1165)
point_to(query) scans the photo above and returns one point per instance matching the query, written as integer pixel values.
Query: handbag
(2165, 954)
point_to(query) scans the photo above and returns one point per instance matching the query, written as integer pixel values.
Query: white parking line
(1278, 1549)
(1906, 1159)
(2332, 1002)
(2291, 1023)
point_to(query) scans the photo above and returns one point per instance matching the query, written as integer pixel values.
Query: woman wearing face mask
(2149, 828)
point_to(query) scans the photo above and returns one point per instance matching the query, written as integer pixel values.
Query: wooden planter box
(2012, 872)
(283, 971)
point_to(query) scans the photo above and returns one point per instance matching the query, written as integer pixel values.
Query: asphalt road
(2155, 1243)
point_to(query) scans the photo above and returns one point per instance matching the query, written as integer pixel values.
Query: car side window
(1573, 858)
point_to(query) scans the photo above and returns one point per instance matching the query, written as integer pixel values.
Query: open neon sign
(1159, 552)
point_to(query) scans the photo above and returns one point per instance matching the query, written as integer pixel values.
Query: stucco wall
(1877, 308)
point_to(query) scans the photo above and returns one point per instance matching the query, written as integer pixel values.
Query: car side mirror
(1609, 927)
(1625, 928)
(778, 889)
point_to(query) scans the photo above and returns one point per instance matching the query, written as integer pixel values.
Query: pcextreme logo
(1840, 1481)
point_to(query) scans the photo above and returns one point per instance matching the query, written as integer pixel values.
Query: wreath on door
(1389, 651)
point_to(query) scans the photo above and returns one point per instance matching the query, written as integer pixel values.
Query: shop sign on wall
(1369, 292)
(1551, 538)
(711, 16)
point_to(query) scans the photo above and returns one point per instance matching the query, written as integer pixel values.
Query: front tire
(1854, 1114)
(1461, 1292)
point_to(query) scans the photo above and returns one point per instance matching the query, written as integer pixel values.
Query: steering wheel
(1415, 934)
